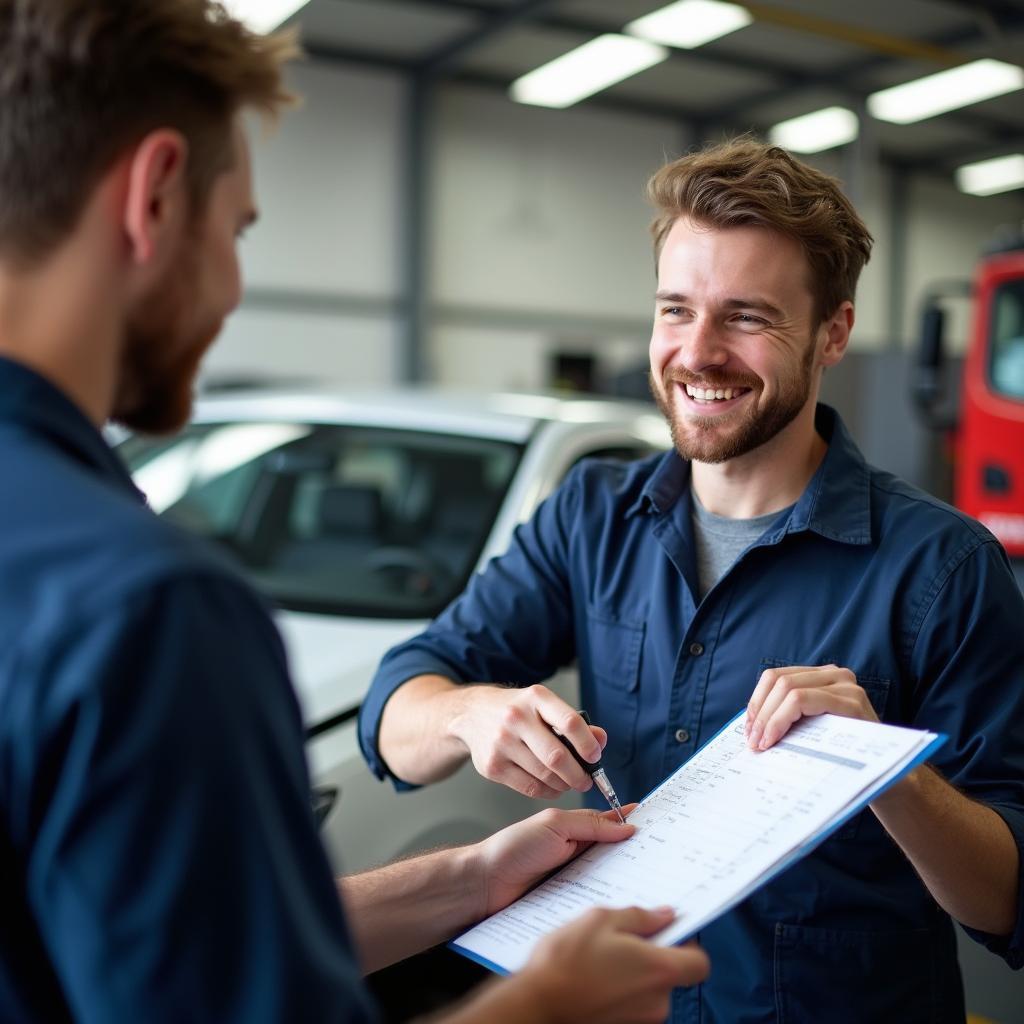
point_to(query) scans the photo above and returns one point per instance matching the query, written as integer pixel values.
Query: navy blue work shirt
(863, 571)
(158, 857)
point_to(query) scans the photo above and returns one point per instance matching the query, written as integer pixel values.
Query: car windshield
(346, 520)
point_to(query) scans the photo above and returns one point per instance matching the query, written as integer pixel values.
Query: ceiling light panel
(946, 90)
(588, 69)
(690, 23)
(817, 131)
(987, 177)
(262, 15)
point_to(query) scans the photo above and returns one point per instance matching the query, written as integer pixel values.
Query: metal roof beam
(447, 58)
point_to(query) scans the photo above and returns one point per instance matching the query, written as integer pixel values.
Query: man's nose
(701, 345)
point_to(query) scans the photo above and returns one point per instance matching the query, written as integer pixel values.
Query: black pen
(595, 771)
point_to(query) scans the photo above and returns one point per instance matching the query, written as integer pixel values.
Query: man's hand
(514, 859)
(601, 968)
(508, 733)
(785, 695)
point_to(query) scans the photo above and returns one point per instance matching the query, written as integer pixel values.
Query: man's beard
(710, 438)
(162, 350)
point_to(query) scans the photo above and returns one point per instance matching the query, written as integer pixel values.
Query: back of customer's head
(81, 81)
(744, 182)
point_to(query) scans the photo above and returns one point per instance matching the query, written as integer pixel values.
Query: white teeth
(710, 394)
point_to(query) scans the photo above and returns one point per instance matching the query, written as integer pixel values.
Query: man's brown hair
(745, 182)
(81, 81)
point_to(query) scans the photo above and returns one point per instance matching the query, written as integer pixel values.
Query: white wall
(539, 244)
(322, 265)
(541, 236)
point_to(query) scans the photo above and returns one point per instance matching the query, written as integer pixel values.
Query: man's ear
(156, 200)
(837, 334)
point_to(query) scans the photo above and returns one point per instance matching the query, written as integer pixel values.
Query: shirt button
(696, 649)
(682, 736)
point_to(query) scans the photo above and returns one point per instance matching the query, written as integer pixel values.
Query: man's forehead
(777, 260)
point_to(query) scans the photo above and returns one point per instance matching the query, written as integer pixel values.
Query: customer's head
(748, 183)
(82, 81)
(124, 175)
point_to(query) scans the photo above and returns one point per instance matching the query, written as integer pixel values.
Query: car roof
(505, 416)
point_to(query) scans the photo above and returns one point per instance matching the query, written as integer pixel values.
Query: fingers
(785, 695)
(567, 722)
(627, 810)
(690, 962)
(585, 826)
(524, 782)
(632, 920)
(769, 677)
(512, 739)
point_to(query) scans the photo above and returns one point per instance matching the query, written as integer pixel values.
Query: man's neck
(58, 321)
(769, 478)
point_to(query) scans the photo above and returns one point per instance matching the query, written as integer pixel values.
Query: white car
(360, 516)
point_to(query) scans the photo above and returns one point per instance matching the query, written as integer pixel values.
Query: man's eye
(749, 320)
(672, 311)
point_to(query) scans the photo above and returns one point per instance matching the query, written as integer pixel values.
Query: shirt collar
(29, 399)
(836, 503)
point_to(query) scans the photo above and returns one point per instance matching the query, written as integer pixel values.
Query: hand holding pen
(510, 735)
(596, 772)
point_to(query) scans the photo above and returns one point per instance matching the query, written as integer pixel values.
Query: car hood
(333, 659)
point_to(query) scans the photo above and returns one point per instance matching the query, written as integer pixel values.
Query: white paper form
(720, 826)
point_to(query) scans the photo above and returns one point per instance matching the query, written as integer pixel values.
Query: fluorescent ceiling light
(812, 133)
(262, 15)
(987, 177)
(690, 23)
(587, 69)
(946, 90)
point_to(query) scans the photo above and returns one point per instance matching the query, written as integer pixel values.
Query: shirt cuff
(1009, 947)
(396, 668)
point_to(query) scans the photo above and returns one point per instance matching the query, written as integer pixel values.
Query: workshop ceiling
(797, 56)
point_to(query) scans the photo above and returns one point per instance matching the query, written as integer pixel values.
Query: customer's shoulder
(71, 538)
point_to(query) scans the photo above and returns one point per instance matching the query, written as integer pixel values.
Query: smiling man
(761, 564)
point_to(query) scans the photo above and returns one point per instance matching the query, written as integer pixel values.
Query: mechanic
(158, 856)
(760, 564)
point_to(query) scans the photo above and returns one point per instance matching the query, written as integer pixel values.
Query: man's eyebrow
(753, 302)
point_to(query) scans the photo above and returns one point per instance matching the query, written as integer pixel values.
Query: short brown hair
(83, 80)
(746, 182)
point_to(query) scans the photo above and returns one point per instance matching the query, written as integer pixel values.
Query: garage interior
(420, 225)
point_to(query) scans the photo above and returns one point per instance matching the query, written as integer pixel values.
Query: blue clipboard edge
(798, 854)
(482, 960)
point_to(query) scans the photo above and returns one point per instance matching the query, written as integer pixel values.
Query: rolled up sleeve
(969, 652)
(513, 624)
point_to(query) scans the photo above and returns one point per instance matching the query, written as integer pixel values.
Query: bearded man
(760, 564)
(159, 860)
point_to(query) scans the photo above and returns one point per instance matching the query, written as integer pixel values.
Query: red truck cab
(987, 431)
(989, 478)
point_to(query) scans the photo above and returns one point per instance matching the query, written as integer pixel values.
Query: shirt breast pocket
(610, 681)
(877, 688)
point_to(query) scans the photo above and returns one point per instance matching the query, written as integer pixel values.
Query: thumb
(594, 827)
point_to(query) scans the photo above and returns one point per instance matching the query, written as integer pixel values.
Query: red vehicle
(987, 430)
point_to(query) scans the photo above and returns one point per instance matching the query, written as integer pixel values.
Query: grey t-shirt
(720, 541)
